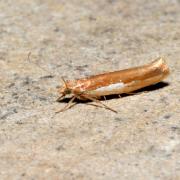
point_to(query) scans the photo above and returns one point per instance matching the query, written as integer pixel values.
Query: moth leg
(69, 104)
(104, 98)
(97, 101)
(59, 98)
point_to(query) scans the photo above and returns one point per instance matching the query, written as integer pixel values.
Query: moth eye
(67, 91)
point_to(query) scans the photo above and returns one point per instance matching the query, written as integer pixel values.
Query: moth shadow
(77, 101)
(147, 89)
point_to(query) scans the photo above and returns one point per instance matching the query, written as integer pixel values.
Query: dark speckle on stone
(103, 174)
(10, 112)
(81, 68)
(47, 77)
(11, 85)
(154, 122)
(91, 18)
(14, 94)
(15, 110)
(163, 99)
(175, 128)
(23, 174)
(171, 137)
(60, 148)
(26, 81)
(167, 116)
(111, 1)
(42, 98)
(19, 122)
(56, 29)
(118, 119)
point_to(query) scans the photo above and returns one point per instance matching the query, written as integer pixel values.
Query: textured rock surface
(73, 39)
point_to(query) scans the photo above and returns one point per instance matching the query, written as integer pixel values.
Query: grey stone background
(74, 39)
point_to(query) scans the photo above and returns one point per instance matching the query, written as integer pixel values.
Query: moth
(117, 82)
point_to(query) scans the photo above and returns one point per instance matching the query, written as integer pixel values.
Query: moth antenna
(63, 80)
(29, 60)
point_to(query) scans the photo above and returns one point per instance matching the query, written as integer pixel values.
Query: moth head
(64, 90)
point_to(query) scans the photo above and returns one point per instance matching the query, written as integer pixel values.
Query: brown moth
(117, 82)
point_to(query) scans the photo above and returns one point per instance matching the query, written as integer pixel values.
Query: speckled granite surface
(74, 39)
